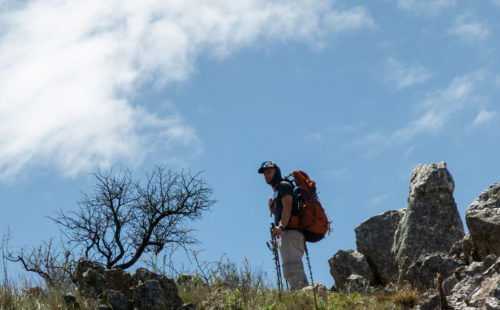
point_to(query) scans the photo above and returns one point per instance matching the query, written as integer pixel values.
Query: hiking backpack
(312, 218)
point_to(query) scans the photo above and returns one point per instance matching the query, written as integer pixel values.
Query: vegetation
(224, 285)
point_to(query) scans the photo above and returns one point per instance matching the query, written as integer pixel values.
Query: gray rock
(492, 303)
(476, 284)
(118, 300)
(144, 290)
(431, 223)
(430, 302)
(88, 277)
(320, 288)
(358, 284)
(423, 272)
(374, 239)
(483, 221)
(345, 263)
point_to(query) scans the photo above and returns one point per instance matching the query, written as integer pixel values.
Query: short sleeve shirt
(283, 189)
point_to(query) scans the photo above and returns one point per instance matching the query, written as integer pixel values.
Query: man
(291, 241)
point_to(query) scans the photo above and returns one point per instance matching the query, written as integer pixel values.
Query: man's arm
(285, 215)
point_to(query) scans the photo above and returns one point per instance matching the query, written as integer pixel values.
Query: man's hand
(271, 205)
(276, 231)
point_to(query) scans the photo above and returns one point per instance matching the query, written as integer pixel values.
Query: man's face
(269, 174)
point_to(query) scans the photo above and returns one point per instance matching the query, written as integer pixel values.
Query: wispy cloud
(429, 7)
(70, 71)
(470, 30)
(405, 75)
(484, 116)
(438, 108)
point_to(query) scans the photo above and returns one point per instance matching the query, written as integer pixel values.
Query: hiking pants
(291, 245)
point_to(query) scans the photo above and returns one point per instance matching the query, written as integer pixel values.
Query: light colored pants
(291, 245)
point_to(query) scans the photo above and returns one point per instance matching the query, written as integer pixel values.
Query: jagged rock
(119, 280)
(88, 277)
(168, 289)
(144, 290)
(345, 263)
(374, 239)
(431, 223)
(430, 302)
(483, 221)
(358, 284)
(118, 300)
(492, 303)
(475, 284)
(423, 272)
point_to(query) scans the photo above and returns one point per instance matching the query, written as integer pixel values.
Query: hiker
(291, 242)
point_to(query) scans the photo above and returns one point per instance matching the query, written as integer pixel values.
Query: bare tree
(124, 219)
(48, 261)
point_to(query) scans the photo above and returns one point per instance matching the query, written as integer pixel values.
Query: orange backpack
(312, 218)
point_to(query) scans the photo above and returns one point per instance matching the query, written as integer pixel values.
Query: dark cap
(265, 165)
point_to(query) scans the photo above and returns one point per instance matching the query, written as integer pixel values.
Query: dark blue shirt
(283, 189)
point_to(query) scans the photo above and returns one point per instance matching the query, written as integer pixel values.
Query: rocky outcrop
(119, 290)
(483, 221)
(423, 272)
(374, 239)
(431, 223)
(346, 263)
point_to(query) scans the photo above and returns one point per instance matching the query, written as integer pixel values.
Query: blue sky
(356, 93)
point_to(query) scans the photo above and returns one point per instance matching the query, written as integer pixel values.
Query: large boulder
(346, 263)
(374, 239)
(483, 221)
(431, 222)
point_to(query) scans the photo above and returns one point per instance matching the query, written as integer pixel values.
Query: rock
(492, 303)
(103, 307)
(358, 284)
(143, 290)
(483, 221)
(188, 306)
(374, 239)
(118, 300)
(345, 263)
(168, 289)
(320, 288)
(423, 272)
(88, 277)
(431, 223)
(120, 281)
(430, 302)
(476, 284)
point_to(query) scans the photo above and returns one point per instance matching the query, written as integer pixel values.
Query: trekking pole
(274, 249)
(311, 274)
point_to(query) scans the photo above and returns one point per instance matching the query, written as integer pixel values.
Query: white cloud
(470, 30)
(405, 76)
(484, 116)
(70, 70)
(438, 109)
(430, 7)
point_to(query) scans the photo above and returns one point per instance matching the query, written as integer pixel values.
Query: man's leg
(291, 245)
